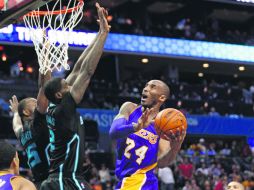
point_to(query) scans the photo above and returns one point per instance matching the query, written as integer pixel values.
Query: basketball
(170, 121)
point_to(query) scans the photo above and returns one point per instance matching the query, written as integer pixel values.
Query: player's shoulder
(38, 114)
(21, 183)
(128, 107)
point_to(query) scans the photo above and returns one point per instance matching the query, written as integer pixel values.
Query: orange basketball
(170, 120)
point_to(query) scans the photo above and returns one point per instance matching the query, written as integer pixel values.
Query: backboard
(12, 10)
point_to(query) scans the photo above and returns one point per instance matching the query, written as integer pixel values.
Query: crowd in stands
(193, 27)
(211, 165)
(199, 166)
(204, 98)
(188, 24)
(204, 164)
(207, 165)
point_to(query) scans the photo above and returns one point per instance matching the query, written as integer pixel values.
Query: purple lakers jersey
(137, 157)
(5, 181)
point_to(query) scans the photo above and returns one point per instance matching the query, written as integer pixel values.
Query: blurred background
(201, 48)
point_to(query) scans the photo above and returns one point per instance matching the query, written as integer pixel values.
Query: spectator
(204, 170)
(187, 185)
(213, 112)
(221, 183)
(167, 178)
(201, 146)
(104, 176)
(15, 70)
(225, 151)
(194, 185)
(186, 169)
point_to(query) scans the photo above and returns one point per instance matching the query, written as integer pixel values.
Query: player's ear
(15, 164)
(26, 112)
(58, 95)
(162, 98)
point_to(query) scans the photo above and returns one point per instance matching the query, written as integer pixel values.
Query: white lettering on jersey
(2, 183)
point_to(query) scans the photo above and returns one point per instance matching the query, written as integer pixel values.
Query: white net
(57, 21)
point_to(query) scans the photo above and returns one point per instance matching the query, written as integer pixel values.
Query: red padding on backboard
(1, 4)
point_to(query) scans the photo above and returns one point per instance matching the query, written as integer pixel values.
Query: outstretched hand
(146, 119)
(176, 139)
(14, 104)
(102, 14)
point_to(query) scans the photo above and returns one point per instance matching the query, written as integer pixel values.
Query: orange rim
(58, 12)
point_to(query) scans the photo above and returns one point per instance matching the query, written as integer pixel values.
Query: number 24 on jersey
(140, 152)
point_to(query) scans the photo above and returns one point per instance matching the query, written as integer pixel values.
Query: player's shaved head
(25, 104)
(22, 106)
(51, 88)
(164, 88)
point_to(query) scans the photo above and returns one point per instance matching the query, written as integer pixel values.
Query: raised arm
(75, 71)
(42, 101)
(168, 149)
(16, 121)
(120, 127)
(90, 63)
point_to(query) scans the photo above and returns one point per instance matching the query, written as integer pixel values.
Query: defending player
(30, 127)
(9, 170)
(64, 122)
(139, 148)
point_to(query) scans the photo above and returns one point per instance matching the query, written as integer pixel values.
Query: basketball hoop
(54, 55)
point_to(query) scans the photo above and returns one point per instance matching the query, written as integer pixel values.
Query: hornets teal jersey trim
(137, 157)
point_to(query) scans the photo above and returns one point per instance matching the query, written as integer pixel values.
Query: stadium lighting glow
(4, 57)
(29, 69)
(200, 74)
(246, 1)
(205, 65)
(145, 60)
(241, 68)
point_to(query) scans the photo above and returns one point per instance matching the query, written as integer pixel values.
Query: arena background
(202, 49)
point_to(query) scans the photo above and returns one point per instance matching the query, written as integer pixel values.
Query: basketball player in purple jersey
(9, 170)
(139, 148)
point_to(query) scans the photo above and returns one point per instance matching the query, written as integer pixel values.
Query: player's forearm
(43, 79)
(16, 123)
(166, 158)
(120, 129)
(88, 68)
(91, 61)
(85, 53)
(74, 73)
(42, 101)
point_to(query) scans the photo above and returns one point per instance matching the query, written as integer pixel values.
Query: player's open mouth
(144, 97)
